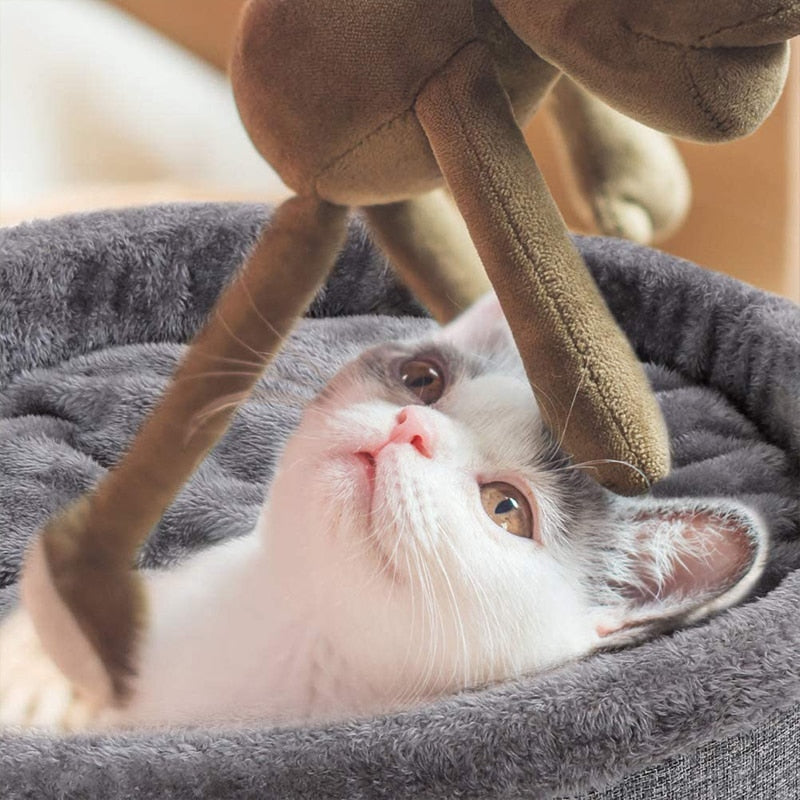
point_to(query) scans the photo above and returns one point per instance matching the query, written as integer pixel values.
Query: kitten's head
(428, 522)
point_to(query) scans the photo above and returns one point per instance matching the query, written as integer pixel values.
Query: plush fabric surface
(92, 313)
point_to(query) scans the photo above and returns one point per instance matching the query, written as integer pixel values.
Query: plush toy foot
(710, 71)
(632, 177)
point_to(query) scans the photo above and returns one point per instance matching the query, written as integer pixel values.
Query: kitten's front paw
(33, 692)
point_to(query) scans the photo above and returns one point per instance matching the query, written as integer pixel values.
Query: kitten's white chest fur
(225, 645)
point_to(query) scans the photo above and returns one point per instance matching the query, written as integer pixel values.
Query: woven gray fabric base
(93, 311)
(761, 764)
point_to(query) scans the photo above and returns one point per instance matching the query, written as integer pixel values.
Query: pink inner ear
(700, 554)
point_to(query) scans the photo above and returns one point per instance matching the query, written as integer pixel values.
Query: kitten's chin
(350, 498)
(341, 497)
(366, 464)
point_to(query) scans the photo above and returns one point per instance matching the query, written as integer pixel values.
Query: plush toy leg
(86, 553)
(430, 246)
(590, 386)
(632, 177)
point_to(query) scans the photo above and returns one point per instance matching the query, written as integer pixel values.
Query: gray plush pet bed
(92, 313)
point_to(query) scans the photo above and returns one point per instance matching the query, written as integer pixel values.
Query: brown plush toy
(627, 180)
(379, 104)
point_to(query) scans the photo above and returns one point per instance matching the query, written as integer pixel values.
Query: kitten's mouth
(368, 462)
(386, 563)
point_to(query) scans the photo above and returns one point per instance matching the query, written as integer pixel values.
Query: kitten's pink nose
(414, 426)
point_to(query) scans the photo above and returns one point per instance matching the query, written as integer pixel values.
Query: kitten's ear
(481, 329)
(679, 564)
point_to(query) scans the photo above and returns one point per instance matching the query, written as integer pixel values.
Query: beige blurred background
(125, 102)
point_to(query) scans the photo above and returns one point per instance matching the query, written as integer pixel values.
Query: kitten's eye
(508, 508)
(423, 378)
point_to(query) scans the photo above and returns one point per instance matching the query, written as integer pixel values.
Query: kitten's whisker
(298, 460)
(333, 391)
(569, 412)
(269, 375)
(405, 694)
(417, 686)
(257, 391)
(242, 362)
(281, 338)
(210, 410)
(215, 374)
(597, 462)
(262, 357)
(441, 632)
(412, 687)
(389, 563)
(456, 614)
(483, 602)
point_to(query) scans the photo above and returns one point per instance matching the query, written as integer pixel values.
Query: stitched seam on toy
(724, 29)
(331, 165)
(760, 18)
(666, 42)
(720, 125)
(439, 72)
(621, 428)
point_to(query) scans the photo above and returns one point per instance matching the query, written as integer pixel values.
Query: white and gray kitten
(423, 533)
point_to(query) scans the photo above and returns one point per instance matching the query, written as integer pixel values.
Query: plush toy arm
(632, 177)
(592, 390)
(79, 575)
(429, 245)
(710, 70)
